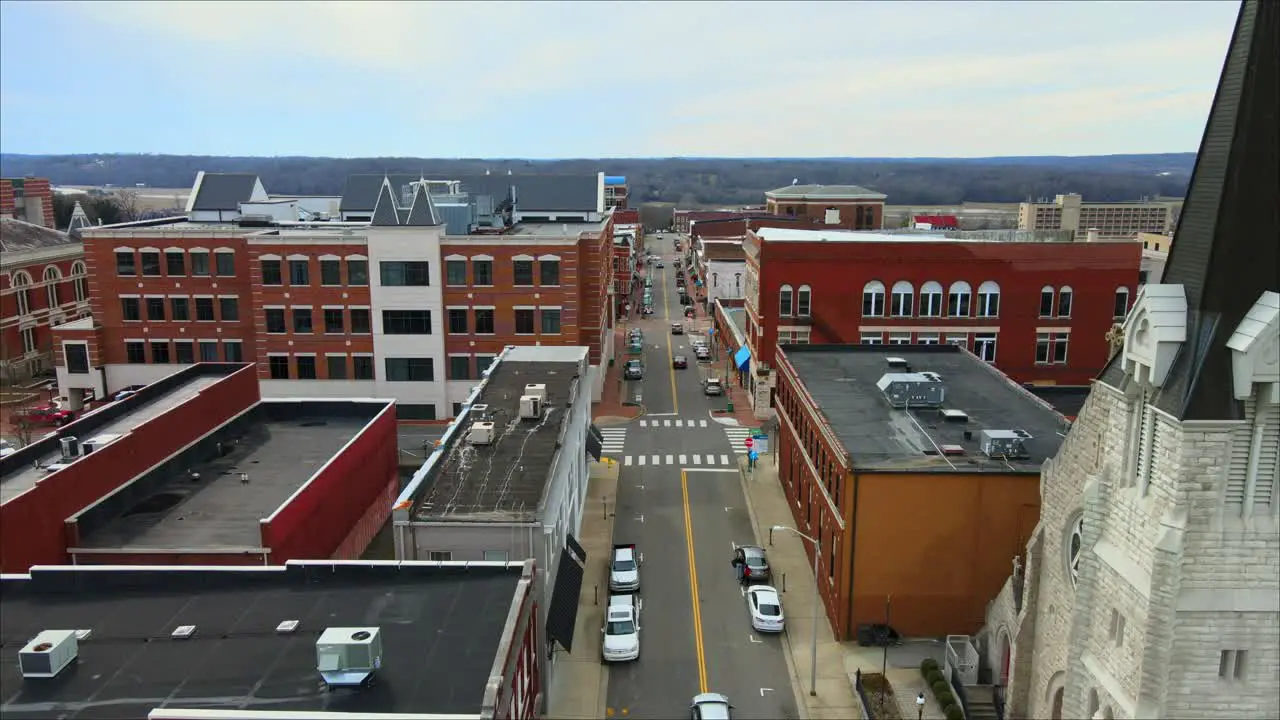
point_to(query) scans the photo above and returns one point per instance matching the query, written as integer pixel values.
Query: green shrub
(928, 666)
(948, 701)
(954, 713)
(940, 688)
(935, 676)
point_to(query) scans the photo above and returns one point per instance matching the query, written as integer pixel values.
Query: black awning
(575, 548)
(562, 616)
(595, 444)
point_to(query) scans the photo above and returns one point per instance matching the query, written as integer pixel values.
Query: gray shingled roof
(826, 191)
(224, 191)
(1226, 249)
(422, 212)
(17, 235)
(360, 194)
(385, 210)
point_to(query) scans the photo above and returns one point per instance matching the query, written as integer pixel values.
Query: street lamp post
(813, 645)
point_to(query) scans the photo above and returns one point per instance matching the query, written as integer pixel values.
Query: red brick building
(1039, 311)
(43, 282)
(682, 220)
(850, 207)
(29, 199)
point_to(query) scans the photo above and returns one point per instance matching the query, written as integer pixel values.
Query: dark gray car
(751, 564)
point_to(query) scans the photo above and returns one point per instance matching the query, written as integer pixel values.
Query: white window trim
(274, 307)
(270, 257)
(461, 355)
(277, 354)
(361, 354)
(184, 340)
(224, 250)
(176, 250)
(304, 354)
(356, 257)
(358, 307)
(520, 307)
(140, 340)
(235, 340)
(204, 296)
(486, 307)
(176, 297)
(1057, 330)
(456, 257)
(329, 258)
(329, 355)
(457, 307)
(298, 258)
(551, 307)
(481, 258)
(522, 258)
(197, 250)
(549, 258)
(125, 297)
(332, 307)
(124, 249)
(228, 297)
(149, 249)
(150, 296)
(301, 307)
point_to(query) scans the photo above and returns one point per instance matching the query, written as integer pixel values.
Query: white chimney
(1093, 235)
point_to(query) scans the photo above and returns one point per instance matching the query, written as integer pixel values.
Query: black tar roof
(505, 480)
(441, 630)
(223, 191)
(842, 381)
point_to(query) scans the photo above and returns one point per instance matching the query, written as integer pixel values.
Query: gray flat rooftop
(555, 229)
(842, 381)
(503, 481)
(24, 479)
(219, 510)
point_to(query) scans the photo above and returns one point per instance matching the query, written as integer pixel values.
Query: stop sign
(749, 443)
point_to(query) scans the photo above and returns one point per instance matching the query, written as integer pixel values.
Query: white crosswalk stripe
(613, 440)
(738, 438)
(695, 460)
(682, 460)
(677, 423)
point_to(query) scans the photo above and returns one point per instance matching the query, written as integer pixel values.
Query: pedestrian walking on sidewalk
(920, 706)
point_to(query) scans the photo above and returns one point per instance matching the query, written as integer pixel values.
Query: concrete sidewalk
(579, 687)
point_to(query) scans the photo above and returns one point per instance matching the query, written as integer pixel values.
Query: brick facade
(28, 199)
(852, 214)
(39, 289)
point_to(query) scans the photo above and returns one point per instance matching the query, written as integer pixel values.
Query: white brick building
(1151, 586)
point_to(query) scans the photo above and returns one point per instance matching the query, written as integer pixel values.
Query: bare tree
(129, 204)
(23, 430)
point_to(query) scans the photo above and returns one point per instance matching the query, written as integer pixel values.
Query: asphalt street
(695, 632)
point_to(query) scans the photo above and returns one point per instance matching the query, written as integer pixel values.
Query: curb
(797, 686)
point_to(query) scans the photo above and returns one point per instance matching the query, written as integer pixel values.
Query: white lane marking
(711, 459)
(666, 423)
(627, 460)
(765, 690)
(702, 423)
(697, 459)
(679, 423)
(640, 518)
(644, 423)
(754, 639)
(710, 470)
(682, 461)
(654, 461)
(669, 460)
(724, 459)
(642, 458)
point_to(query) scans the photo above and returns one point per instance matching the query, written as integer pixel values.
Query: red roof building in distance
(935, 222)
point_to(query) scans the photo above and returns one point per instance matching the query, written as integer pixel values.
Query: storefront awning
(562, 615)
(742, 358)
(595, 442)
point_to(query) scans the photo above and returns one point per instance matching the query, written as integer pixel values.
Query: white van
(621, 629)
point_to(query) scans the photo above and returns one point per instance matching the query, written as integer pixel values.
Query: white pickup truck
(621, 629)
(624, 569)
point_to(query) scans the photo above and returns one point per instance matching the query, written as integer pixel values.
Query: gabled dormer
(1154, 332)
(422, 211)
(385, 211)
(1255, 350)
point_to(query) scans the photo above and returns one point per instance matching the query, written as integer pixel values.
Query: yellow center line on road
(671, 359)
(693, 585)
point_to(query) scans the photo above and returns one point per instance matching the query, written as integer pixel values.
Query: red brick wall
(32, 528)
(165, 558)
(32, 188)
(518, 696)
(837, 272)
(39, 308)
(369, 524)
(815, 212)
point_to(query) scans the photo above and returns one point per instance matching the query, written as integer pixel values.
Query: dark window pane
(357, 272)
(275, 320)
(360, 321)
(330, 272)
(522, 272)
(230, 308)
(362, 367)
(151, 264)
(155, 308)
(278, 365)
(306, 367)
(299, 272)
(180, 308)
(126, 265)
(175, 263)
(160, 352)
(226, 264)
(550, 272)
(336, 367)
(130, 308)
(409, 370)
(550, 321)
(459, 367)
(484, 322)
(404, 274)
(136, 352)
(77, 357)
(457, 321)
(208, 351)
(301, 320)
(524, 321)
(482, 271)
(406, 322)
(456, 271)
(333, 321)
(232, 351)
(184, 352)
(271, 272)
(204, 309)
(200, 264)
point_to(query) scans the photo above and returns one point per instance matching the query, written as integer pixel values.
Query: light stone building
(1151, 586)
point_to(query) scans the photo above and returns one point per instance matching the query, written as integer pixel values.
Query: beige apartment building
(1111, 220)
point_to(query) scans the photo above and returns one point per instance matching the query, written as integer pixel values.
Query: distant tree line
(685, 182)
(102, 208)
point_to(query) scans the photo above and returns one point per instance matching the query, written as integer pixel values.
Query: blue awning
(742, 358)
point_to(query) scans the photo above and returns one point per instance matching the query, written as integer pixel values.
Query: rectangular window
(455, 272)
(232, 351)
(306, 367)
(278, 366)
(180, 308)
(271, 272)
(550, 270)
(1043, 348)
(1116, 632)
(77, 357)
(406, 322)
(130, 308)
(160, 351)
(960, 340)
(155, 308)
(275, 320)
(899, 338)
(499, 556)
(1060, 343)
(208, 351)
(184, 352)
(336, 367)
(550, 321)
(404, 274)
(984, 346)
(872, 339)
(226, 264)
(457, 321)
(361, 323)
(204, 309)
(457, 409)
(459, 367)
(358, 272)
(299, 272)
(482, 272)
(482, 364)
(330, 272)
(409, 370)
(175, 264)
(873, 304)
(522, 272)
(200, 264)
(333, 324)
(524, 321)
(927, 339)
(440, 556)
(302, 320)
(230, 309)
(126, 264)
(484, 321)
(958, 304)
(150, 264)
(803, 302)
(135, 352)
(362, 367)
(1232, 664)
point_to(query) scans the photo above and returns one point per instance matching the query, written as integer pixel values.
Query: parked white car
(624, 569)
(710, 706)
(621, 629)
(765, 605)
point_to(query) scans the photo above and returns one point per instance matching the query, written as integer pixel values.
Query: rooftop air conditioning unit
(896, 362)
(953, 415)
(530, 407)
(481, 433)
(48, 653)
(908, 390)
(70, 447)
(480, 410)
(1004, 443)
(540, 390)
(348, 655)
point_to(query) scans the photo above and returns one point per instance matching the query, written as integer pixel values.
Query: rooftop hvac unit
(953, 415)
(540, 390)
(897, 362)
(48, 653)
(348, 656)
(907, 390)
(952, 449)
(481, 433)
(530, 407)
(70, 447)
(96, 442)
(480, 410)
(1005, 443)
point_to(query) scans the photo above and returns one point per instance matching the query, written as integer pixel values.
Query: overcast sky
(603, 79)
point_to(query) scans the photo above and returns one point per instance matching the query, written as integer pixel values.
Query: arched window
(786, 300)
(81, 276)
(1122, 303)
(931, 299)
(988, 300)
(1064, 301)
(873, 299)
(1046, 301)
(53, 279)
(958, 299)
(900, 304)
(22, 282)
(804, 301)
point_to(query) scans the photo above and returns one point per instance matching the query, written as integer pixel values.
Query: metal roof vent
(952, 449)
(931, 375)
(897, 362)
(183, 632)
(287, 627)
(953, 415)
(48, 653)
